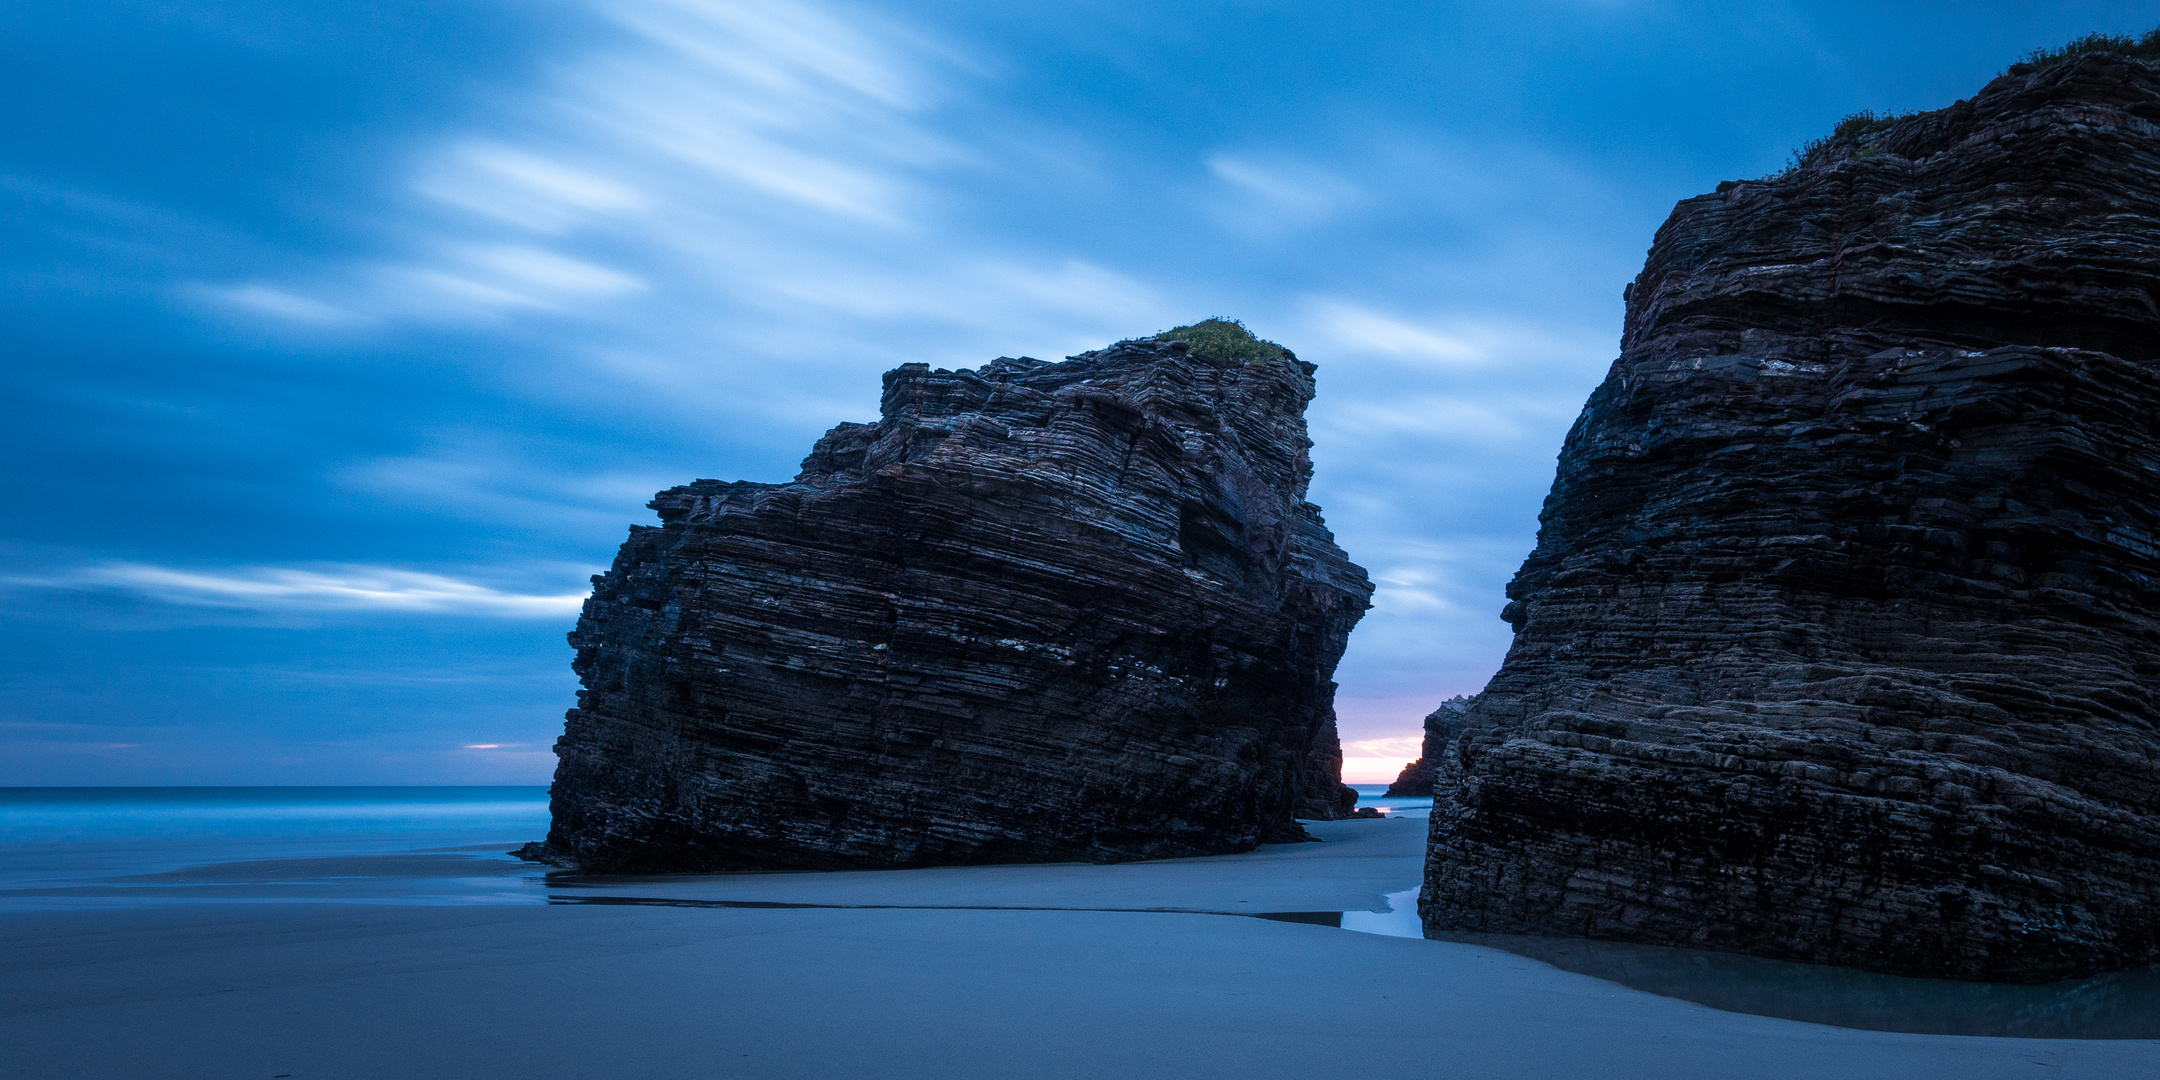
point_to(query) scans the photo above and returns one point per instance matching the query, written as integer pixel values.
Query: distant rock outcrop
(1442, 725)
(1036, 612)
(1415, 781)
(1841, 641)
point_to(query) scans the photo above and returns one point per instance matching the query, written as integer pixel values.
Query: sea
(92, 848)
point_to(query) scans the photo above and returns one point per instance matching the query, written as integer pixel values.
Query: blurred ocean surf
(122, 846)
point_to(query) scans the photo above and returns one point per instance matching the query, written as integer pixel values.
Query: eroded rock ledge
(1036, 612)
(1839, 643)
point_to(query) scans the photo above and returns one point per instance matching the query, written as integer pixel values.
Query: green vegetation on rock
(1860, 133)
(1224, 340)
(1857, 133)
(2145, 48)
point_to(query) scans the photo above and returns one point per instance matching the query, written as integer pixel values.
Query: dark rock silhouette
(1036, 612)
(1842, 635)
(1322, 795)
(1415, 780)
(1442, 725)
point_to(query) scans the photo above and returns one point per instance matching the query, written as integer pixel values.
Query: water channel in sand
(2115, 1005)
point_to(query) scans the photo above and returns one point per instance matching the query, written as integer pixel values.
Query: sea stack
(1036, 612)
(1442, 726)
(1841, 639)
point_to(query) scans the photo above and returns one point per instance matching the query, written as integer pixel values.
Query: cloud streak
(327, 589)
(679, 238)
(744, 210)
(1271, 194)
(710, 141)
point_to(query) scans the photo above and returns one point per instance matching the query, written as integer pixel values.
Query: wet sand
(237, 987)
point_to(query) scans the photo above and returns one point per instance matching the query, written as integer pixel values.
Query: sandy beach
(241, 986)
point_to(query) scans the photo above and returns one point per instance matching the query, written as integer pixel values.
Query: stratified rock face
(1839, 643)
(1442, 726)
(1037, 612)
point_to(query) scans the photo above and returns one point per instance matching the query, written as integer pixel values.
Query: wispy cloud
(1267, 193)
(708, 142)
(329, 588)
(502, 483)
(523, 189)
(781, 180)
(716, 224)
(1351, 326)
(433, 673)
(483, 277)
(279, 304)
(1398, 746)
(1447, 342)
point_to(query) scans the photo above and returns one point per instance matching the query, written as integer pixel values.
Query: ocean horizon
(74, 847)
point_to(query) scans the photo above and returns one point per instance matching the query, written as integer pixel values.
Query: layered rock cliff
(1841, 639)
(1442, 725)
(1037, 611)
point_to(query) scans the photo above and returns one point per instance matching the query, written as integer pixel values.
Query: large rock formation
(1842, 635)
(1036, 612)
(1322, 795)
(1442, 725)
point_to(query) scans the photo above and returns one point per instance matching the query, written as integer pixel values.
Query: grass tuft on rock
(1224, 340)
(1860, 133)
(1856, 134)
(2145, 48)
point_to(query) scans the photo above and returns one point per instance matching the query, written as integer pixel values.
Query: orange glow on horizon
(1372, 770)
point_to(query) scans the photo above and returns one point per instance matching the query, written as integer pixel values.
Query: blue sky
(343, 340)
